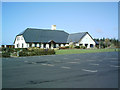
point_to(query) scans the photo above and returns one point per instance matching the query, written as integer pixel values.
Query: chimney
(53, 27)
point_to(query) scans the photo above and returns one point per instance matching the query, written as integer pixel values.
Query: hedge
(64, 47)
(6, 54)
(36, 52)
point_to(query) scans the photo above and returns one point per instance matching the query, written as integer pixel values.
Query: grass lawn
(77, 51)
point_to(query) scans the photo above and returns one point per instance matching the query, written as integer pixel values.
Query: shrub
(71, 46)
(62, 48)
(78, 47)
(65, 47)
(37, 52)
(6, 54)
(23, 53)
(82, 47)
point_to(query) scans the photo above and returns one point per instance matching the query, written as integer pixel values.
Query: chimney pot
(53, 27)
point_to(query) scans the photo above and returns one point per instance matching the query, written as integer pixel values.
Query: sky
(100, 19)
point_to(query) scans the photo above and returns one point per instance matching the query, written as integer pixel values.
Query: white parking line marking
(94, 64)
(72, 62)
(90, 70)
(47, 64)
(66, 67)
(50, 65)
(43, 64)
(114, 66)
(34, 63)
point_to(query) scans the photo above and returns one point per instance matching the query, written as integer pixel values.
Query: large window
(59, 45)
(17, 45)
(80, 44)
(86, 45)
(35, 44)
(54, 45)
(22, 45)
(30, 45)
(39, 45)
(44, 45)
(91, 45)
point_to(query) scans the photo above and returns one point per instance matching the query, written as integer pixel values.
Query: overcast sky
(100, 19)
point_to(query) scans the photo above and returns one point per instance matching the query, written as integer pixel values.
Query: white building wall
(77, 44)
(20, 40)
(47, 45)
(62, 45)
(38, 44)
(57, 45)
(33, 45)
(87, 40)
(51, 45)
(42, 46)
(66, 44)
(28, 45)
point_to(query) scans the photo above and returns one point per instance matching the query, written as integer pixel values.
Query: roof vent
(53, 27)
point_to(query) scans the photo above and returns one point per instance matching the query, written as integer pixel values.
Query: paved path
(94, 70)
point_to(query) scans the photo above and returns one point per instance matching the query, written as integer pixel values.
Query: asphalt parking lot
(90, 70)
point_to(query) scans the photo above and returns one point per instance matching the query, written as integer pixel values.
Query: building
(51, 38)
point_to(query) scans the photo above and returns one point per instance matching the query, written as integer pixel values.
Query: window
(39, 45)
(49, 45)
(91, 45)
(17, 45)
(30, 45)
(59, 45)
(81, 44)
(22, 45)
(86, 45)
(44, 45)
(54, 45)
(35, 44)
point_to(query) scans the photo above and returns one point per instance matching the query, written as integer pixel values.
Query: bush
(65, 47)
(62, 48)
(78, 47)
(37, 52)
(6, 54)
(7, 49)
(23, 53)
(71, 46)
(82, 47)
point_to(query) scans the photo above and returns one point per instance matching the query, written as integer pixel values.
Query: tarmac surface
(90, 70)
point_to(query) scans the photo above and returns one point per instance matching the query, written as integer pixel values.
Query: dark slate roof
(44, 35)
(75, 37)
(96, 42)
(48, 35)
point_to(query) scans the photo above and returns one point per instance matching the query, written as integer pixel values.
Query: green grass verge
(77, 51)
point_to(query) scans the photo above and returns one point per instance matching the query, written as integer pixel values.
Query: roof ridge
(78, 33)
(43, 29)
